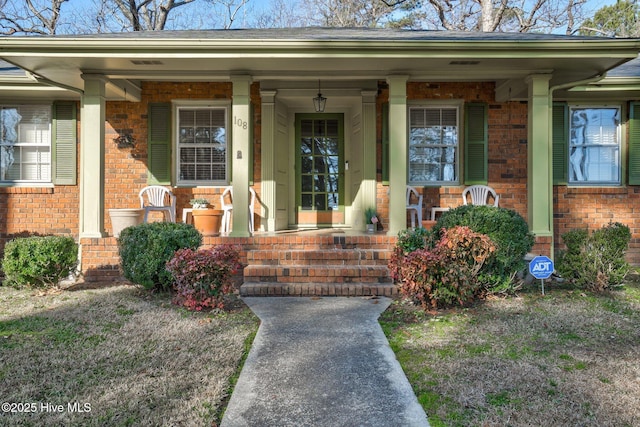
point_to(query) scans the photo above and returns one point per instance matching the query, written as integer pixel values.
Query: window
(594, 145)
(25, 144)
(433, 145)
(202, 146)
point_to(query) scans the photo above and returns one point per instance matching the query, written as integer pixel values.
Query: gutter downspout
(552, 89)
(593, 79)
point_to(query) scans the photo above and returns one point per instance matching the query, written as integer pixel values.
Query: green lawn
(116, 356)
(569, 358)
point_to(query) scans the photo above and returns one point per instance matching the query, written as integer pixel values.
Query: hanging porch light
(319, 102)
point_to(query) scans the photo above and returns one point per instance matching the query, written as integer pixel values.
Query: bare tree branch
(30, 17)
(142, 15)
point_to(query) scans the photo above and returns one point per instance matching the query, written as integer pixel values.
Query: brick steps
(323, 271)
(318, 289)
(316, 273)
(316, 256)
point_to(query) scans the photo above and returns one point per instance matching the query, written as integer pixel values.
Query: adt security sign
(541, 267)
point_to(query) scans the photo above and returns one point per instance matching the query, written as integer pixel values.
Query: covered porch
(310, 168)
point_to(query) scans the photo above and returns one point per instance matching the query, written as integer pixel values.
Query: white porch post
(540, 156)
(240, 123)
(368, 186)
(268, 193)
(92, 157)
(397, 153)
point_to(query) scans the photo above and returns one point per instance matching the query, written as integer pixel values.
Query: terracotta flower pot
(207, 221)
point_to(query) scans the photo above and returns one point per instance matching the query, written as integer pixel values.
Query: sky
(255, 7)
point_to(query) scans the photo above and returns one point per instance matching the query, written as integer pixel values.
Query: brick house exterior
(268, 97)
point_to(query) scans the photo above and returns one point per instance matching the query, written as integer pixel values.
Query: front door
(320, 169)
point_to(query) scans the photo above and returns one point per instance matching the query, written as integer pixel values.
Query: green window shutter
(634, 144)
(476, 142)
(64, 147)
(560, 135)
(385, 143)
(159, 143)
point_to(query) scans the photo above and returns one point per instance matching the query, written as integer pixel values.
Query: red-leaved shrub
(202, 277)
(448, 273)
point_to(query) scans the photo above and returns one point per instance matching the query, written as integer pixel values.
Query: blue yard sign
(541, 267)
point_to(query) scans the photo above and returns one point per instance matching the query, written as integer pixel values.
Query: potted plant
(372, 219)
(199, 203)
(206, 219)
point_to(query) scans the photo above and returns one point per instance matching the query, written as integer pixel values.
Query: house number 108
(240, 123)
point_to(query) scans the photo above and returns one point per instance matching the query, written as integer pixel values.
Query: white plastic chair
(480, 195)
(414, 209)
(227, 208)
(159, 199)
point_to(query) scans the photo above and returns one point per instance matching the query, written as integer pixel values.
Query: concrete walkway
(321, 362)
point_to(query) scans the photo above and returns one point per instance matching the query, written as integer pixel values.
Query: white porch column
(540, 156)
(241, 144)
(268, 193)
(92, 157)
(397, 153)
(368, 186)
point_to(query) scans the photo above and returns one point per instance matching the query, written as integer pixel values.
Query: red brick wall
(593, 207)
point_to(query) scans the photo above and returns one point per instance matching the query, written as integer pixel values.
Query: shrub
(202, 277)
(595, 262)
(40, 261)
(409, 240)
(506, 229)
(145, 249)
(448, 273)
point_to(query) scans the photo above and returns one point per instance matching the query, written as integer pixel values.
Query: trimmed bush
(506, 229)
(595, 262)
(39, 261)
(145, 249)
(203, 277)
(409, 240)
(447, 274)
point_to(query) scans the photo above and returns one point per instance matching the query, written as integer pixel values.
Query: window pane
(433, 145)
(25, 143)
(202, 145)
(594, 153)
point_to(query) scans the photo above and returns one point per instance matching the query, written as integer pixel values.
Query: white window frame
(179, 105)
(578, 176)
(10, 151)
(440, 105)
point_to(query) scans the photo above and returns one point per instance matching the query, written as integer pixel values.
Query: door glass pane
(307, 183)
(307, 164)
(306, 146)
(333, 200)
(306, 128)
(319, 165)
(320, 202)
(307, 201)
